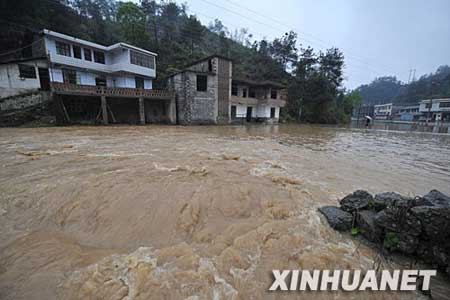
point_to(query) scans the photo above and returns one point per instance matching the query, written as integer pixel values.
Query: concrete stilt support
(104, 110)
(141, 111)
(172, 112)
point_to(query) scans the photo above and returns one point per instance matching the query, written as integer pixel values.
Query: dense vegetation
(389, 89)
(314, 78)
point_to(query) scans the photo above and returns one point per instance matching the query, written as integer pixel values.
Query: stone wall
(224, 75)
(23, 101)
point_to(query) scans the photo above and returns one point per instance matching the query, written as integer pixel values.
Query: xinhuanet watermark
(351, 280)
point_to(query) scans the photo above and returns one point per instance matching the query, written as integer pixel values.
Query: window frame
(210, 65)
(272, 91)
(63, 49)
(77, 51)
(67, 73)
(251, 93)
(89, 56)
(27, 74)
(234, 87)
(99, 57)
(141, 59)
(201, 86)
(139, 80)
(100, 81)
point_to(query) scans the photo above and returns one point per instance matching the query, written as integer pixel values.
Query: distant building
(207, 93)
(406, 113)
(383, 111)
(435, 109)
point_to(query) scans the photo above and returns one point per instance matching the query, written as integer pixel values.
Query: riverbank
(178, 212)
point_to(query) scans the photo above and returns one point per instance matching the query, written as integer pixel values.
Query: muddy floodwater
(166, 212)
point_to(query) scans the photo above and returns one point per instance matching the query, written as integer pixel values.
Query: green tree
(284, 49)
(192, 32)
(132, 21)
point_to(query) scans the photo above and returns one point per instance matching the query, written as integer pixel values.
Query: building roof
(435, 100)
(384, 104)
(94, 45)
(185, 68)
(206, 58)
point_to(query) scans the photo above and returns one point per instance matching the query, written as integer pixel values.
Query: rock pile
(417, 226)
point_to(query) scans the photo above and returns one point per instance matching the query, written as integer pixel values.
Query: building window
(210, 65)
(100, 81)
(26, 71)
(87, 54)
(139, 81)
(428, 105)
(244, 93)
(76, 52)
(63, 49)
(99, 57)
(143, 60)
(202, 83)
(234, 90)
(272, 112)
(233, 111)
(251, 93)
(69, 76)
(444, 104)
(273, 94)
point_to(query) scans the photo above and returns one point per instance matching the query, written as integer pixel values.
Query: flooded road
(165, 212)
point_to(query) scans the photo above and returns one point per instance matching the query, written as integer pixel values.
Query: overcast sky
(378, 37)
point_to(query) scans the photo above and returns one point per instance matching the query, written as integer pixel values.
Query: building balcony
(104, 68)
(273, 102)
(89, 90)
(256, 101)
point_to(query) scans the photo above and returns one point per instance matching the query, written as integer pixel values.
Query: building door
(233, 111)
(249, 113)
(139, 82)
(44, 79)
(272, 112)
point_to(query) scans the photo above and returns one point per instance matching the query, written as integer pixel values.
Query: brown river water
(166, 212)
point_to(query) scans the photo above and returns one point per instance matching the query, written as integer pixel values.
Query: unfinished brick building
(207, 93)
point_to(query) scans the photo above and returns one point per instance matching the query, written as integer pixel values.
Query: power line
(21, 48)
(350, 57)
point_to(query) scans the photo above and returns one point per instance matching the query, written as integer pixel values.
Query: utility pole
(409, 77)
(431, 101)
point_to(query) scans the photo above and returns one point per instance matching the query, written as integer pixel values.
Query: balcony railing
(89, 90)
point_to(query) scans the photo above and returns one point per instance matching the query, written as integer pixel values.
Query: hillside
(389, 89)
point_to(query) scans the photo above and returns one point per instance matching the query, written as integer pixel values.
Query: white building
(256, 100)
(383, 111)
(77, 61)
(435, 109)
(86, 77)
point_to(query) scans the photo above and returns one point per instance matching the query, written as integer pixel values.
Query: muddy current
(166, 212)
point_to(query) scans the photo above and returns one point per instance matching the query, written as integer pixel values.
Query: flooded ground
(165, 212)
